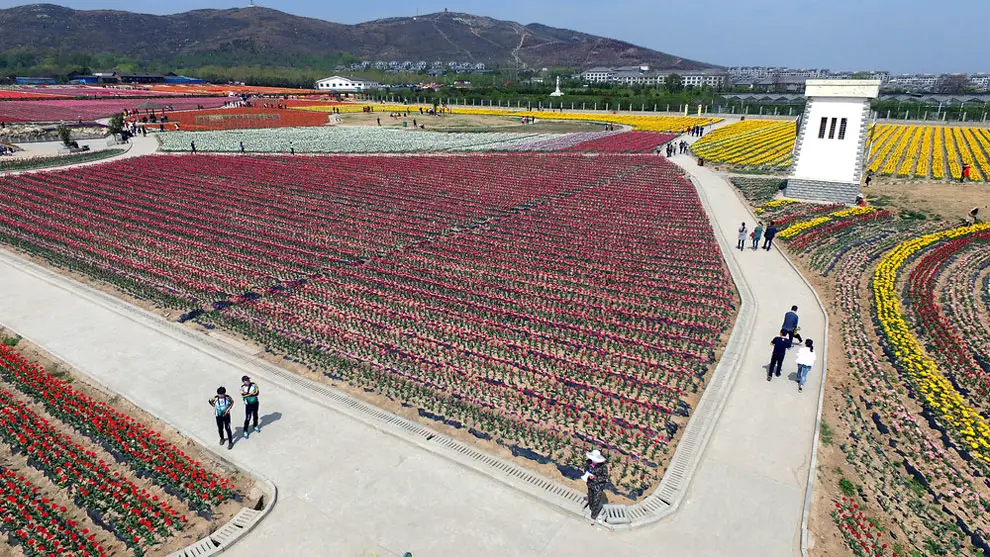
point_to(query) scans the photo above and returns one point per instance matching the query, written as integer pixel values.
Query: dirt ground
(198, 526)
(951, 201)
(469, 123)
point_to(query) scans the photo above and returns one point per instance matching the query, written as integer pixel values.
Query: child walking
(805, 360)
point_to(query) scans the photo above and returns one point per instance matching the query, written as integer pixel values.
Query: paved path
(139, 147)
(349, 489)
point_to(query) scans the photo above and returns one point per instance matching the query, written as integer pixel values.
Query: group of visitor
(223, 403)
(782, 343)
(758, 233)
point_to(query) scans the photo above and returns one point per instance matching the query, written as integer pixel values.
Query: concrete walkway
(346, 488)
(138, 147)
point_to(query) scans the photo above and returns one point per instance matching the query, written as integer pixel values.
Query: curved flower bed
(797, 228)
(945, 342)
(919, 482)
(939, 394)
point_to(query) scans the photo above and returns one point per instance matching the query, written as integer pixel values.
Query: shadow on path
(263, 422)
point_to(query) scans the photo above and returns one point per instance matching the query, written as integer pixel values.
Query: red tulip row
(628, 142)
(145, 450)
(134, 515)
(804, 211)
(38, 525)
(946, 341)
(829, 229)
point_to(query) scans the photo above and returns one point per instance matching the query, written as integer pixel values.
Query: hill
(265, 36)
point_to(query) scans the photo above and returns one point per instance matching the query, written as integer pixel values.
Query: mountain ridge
(274, 37)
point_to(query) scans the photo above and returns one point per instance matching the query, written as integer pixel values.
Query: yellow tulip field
(910, 151)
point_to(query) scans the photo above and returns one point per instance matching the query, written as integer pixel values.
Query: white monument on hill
(558, 92)
(831, 141)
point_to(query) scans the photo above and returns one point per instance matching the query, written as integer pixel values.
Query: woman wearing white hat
(596, 476)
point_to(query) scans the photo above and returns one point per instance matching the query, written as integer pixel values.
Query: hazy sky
(898, 36)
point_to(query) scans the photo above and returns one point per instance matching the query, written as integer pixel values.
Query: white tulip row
(344, 140)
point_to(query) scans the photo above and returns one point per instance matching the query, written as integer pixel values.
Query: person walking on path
(780, 345)
(222, 404)
(790, 325)
(769, 235)
(192, 144)
(743, 236)
(596, 476)
(965, 173)
(757, 235)
(249, 393)
(805, 360)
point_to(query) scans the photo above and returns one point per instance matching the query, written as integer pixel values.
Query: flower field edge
(938, 392)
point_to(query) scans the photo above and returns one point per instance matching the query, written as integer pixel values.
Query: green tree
(674, 83)
(116, 124)
(65, 134)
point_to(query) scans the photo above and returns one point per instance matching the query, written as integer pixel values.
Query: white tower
(828, 156)
(557, 92)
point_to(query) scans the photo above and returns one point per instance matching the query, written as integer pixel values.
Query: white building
(641, 75)
(342, 84)
(597, 75)
(980, 81)
(830, 149)
(912, 82)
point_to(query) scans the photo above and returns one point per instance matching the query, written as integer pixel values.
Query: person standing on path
(192, 144)
(780, 345)
(743, 236)
(222, 404)
(769, 235)
(790, 325)
(805, 360)
(596, 476)
(757, 235)
(249, 393)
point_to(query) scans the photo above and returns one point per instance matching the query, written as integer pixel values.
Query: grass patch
(848, 488)
(35, 163)
(825, 434)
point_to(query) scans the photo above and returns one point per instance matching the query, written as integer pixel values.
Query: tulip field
(908, 151)
(760, 143)
(61, 495)
(546, 302)
(643, 121)
(362, 139)
(908, 411)
(71, 110)
(243, 118)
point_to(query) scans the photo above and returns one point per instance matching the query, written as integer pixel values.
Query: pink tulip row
(71, 110)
